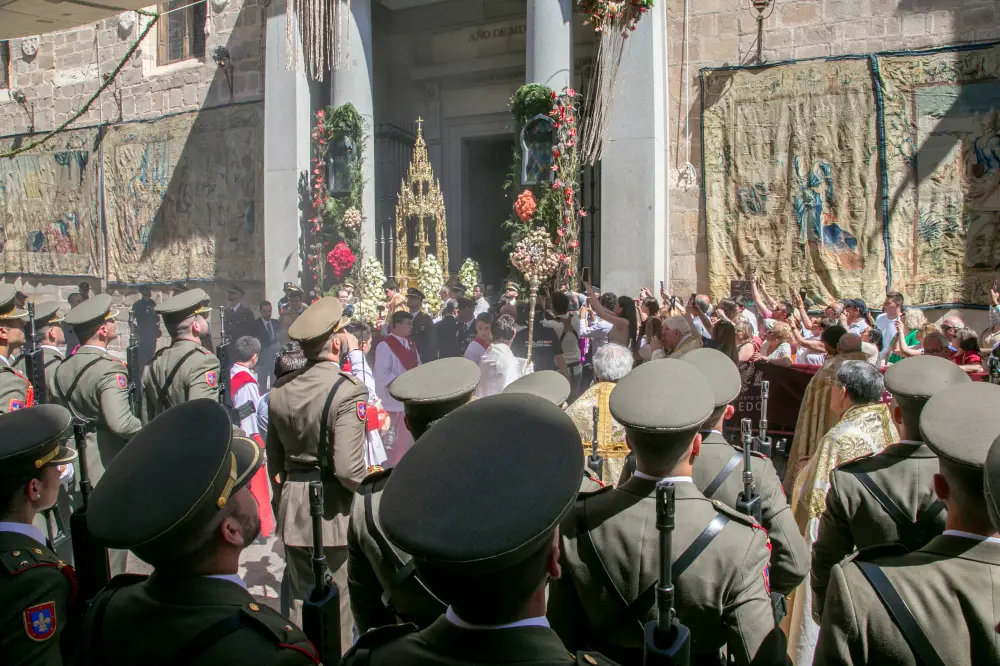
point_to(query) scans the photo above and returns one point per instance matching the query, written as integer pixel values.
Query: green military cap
(323, 317)
(8, 303)
(415, 293)
(94, 309)
(722, 374)
(46, 313)
(183, 305)
(547, 384)
(171, 481)
(236, 289)
(664, 396)
(920, 377)
(991, 482)
(961, 422)
(431, 390)
(479, 522)
(31, 439)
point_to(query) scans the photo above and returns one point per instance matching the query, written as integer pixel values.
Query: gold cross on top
(420, 122)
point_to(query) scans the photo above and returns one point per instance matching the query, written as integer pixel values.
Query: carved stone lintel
(29, 46)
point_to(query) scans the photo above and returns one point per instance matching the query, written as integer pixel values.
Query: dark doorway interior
(486, 205)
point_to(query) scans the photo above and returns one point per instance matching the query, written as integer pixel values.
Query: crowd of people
(460, 522)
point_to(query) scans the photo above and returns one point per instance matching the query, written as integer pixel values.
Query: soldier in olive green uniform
(316, 431)
(51, 341)
(610, 547)
(905, 510)
(938, 604)
(185, 370)
(554, 387)
(37, 590)
(384, 589)
(479, 541)
(15, 389)
(194, 609)
(718, 475)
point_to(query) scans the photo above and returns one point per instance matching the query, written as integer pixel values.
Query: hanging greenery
(332, 237)
(550, 205)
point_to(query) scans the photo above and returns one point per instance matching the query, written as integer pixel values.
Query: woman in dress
(624, 320)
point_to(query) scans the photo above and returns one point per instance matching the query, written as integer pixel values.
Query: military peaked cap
(920, 377)
(236, 289)
(171, 481)
(45, 313)
(664, 396)
(960, 423)
(546, 384)
(322, 318)
(479, 522)
(91, 311)
(431, 390)
(8, 303)
(31, 439)
(415, 293)
(722, 374)
(183, 305)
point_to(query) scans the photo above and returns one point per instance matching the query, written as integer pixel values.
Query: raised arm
(601, 311)
(800, 307)
(758, 299)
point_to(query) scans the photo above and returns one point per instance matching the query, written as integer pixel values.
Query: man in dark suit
(447, 331)
(423, 335)
(466, 323)
(238, 318)
(268, 332)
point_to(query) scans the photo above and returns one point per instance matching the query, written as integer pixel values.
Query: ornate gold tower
(421, 227)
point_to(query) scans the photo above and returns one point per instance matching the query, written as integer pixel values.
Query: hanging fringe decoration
(613, 22)
(322, 33)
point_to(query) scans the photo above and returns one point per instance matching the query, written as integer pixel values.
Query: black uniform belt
(305, 475)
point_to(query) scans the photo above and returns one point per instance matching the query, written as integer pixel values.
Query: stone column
(550, 43)
(354, 84)
(286, 157)
(634, 194)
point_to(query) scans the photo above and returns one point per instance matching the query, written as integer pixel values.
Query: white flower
(370, 294)
(469, 275)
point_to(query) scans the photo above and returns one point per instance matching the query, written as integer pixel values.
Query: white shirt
(249, 392)
(375, 449)
(27, 530)
(387, 368)
(700, 328)
(974, 537)
(482, 305)
(263, 409)
(5, 360)
(670, 479)
(805, 356)
(858, 327)
(751, 319)
(497, 369)
(597, 334)
(475, 351)
(528, 622)
(888, 328)
(570, 345)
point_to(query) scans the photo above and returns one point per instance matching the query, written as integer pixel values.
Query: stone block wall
(58, 72)
(723, 32)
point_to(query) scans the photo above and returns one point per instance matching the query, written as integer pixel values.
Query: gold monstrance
(420, 206)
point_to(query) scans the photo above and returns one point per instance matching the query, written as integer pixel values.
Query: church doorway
(485, 205)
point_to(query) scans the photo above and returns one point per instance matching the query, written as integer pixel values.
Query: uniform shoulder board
(850, 462)
(158, 352)
(374, 478)
(733, 514)
(584, 494)
(273, 625)
(755, 454)
(374, 638)
(592, 659)
(349, 376)
(877, 552)
(25, 559)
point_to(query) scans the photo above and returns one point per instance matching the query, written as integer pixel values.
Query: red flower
(320, 115)
(525, 206)
(553, 94)
(574, 244)
(341, 259)
(556, 153)
(572, 132)
(583, 213)
(561, 232)
(570, 92)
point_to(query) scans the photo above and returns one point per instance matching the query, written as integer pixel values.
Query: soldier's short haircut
(11, 491)
(966, 486)
(85, 334)
(862, 381)
(289, 359)
(400, 317)
(361, 331)
(246, 348)
(198, 549)
(661, 450)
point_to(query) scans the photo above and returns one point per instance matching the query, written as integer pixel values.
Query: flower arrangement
(536, 257)
(608, 15)
(341, 259)
(469, 275)
(566, 168)
(525, 206)
(352, 219)
(370, 294)
(430, 279)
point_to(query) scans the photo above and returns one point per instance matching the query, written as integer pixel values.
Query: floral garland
(332, 236)
(430, 279)
(567, 172)
(370, 294)
(607, 15)
(470, 275)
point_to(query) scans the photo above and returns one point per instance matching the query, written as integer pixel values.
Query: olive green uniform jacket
(445, 644)
(14, 388)
(949, 586)
(854, 518)
(34, 585)
(722, 597)
(93, 385)
(183, 371)
(789, 553)
(293, 433)
(51, 358)
(139, 621)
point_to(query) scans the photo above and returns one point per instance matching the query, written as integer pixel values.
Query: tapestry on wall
(942, 142)
(791, 179)
(183, 196)
(49, 212)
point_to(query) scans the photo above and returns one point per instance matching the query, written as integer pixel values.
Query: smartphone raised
(586, 274)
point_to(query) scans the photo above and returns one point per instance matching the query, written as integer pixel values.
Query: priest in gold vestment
(865, 428)
(611, 363)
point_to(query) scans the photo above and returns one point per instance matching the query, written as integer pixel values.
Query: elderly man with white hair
(611, 363)
(676, 340)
